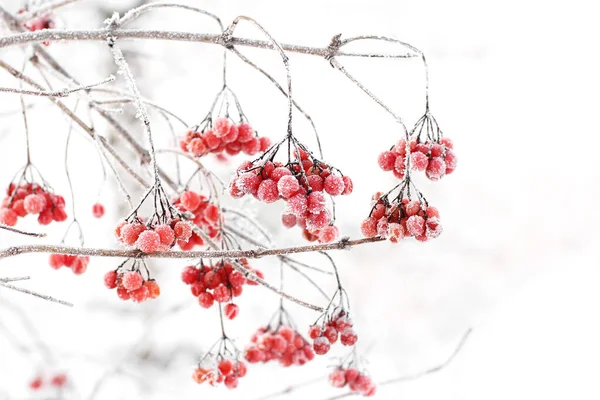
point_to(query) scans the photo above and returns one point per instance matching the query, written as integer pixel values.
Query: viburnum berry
(231, 310)
(321, 345)
(98, 210)
(30, 198)
(36, 383)
(78, 264)
(183, 231)
(148, 241)
(132, 280)
(35, 203)
(110, 279)
(358, 382)
(206, 299)
(58, 380)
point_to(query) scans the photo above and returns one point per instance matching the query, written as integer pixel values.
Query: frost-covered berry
(131, 232)
(337, 379)
(419, 161)
(329, 234)
(321, 345)
(190, 200)
(268, 191)
(231, 310)
(248, 183)
(98, 210)
(348, 185)
(436, 168)
(153, 289)
(288, 186)
(386, 160)
(167, 236)
(206, 300)
(369, 227)
(298, 204)
(189, 275)
(58, 380)
(183, 231)
(288, 220)
(222, 127)
(314, 331)
(316, 202)
(8, 217)
(35, 203)
(334, 185)
(110, 279)
(57, 260)
(132, 280)
(148, 241)
(245, 133)
(348, 337)
(222, 294)
(140, 295)
(415, 225)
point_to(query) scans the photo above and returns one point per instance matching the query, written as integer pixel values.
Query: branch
(46, 8)
(53, 35)
(12, 229)
(345, 243)
(57, 93)
(36, 294)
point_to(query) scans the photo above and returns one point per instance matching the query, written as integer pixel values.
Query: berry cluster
(131, 285)
(400, 218)
(219, 283)
(283, 344)
(225, 370)
(224, 135)
(78, 264)
(334, 326)
(33, 199)
(149, 238)
(57, 381)
(358, 382)
(436, 159)
(302, 183)
(206, 215)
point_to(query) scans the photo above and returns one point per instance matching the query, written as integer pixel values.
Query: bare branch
(57, 93)
(15, 279)
(44, 9)
(12, 229)
(50, 35)
(36, 294)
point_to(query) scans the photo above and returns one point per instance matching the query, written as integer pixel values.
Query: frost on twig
(4, 283)
(15, 230)
(57, 93)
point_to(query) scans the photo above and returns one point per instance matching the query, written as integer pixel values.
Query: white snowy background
(514, 84)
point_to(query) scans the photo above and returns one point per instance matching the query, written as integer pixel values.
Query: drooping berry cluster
(31, 199)
(206, 215)
(356, 381)
(398, 219)
(78, 264)
(302, 183)
(56, 381)
(279, 341)
(222, 370)
(224, 135)
(336, 324)
(435, 159)
(221, 133)
(131, 284)
(218, 283)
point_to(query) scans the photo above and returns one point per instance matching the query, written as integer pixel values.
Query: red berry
(314, 331)
(189, 275)
(288, 186)
(8, 217)
(265, 143)
(279, 173)
(348, 337)
(316, 202)
(59, 380)
(331, 334)
(351, 375)
(334, 185)
(153, 289)
(447, 142)
(251, 147)
(436, 169)
(222, 127)
(321, 345)
(110, 279)
(369, 227)
(450, 161)
(35, 203)
(36, 383)
(348, 185)
(386, 160)
(419, 161)
(222, 294)
(254, 355)
(231, 310)
(58, 214)
(212, 213)
(123, 294)
(415, 225)
(131, 232)
(245, 133)
(329, 234)
(197, 147)
(57, 260)
(148, 241)
(190, 200)
(267, 191)
(98, 210)
(232, 136)
(206, 300)
(132, 280)
(288, 220)
(183, 231)
(80, 265)
(337, 379)
(140, 295)
(298, 204)
(248, 182)
(226, 367)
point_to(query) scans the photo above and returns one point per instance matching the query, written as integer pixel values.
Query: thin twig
(15, 279)
(44, 9)
(57, 93)
(12, 229)
(36, 294)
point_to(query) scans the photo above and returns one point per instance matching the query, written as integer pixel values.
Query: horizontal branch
(36, 294)
(51, 35)
(253, 253)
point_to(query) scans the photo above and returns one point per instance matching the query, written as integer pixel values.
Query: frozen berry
(98, 210)
(110, 279)
(148, 241)
(132, 280)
